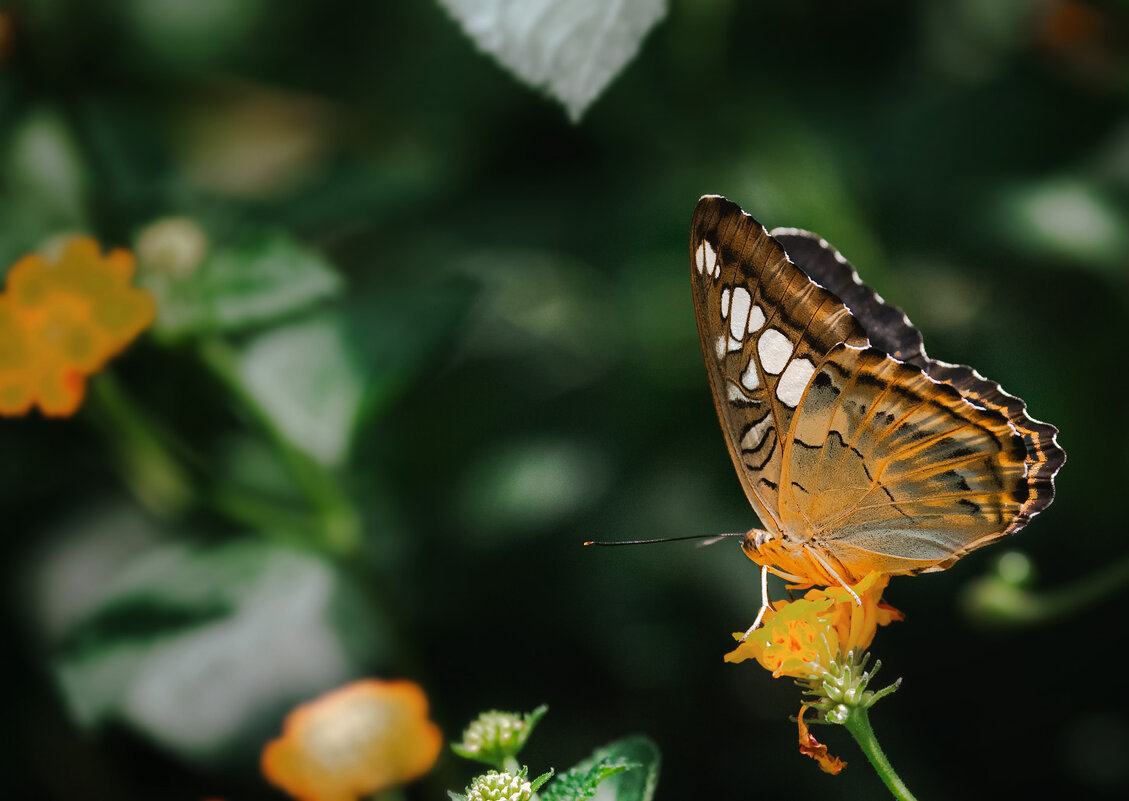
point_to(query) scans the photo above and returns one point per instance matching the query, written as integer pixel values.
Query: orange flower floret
(809, 746)
(802, 638)
(354, 741)
(61, 321)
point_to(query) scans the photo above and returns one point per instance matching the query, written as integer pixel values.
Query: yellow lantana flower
(820, 640)
(354, 741)
(61, 320)
(803, 638)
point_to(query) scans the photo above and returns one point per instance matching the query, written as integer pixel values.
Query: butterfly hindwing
(886, 326)
(890, 470)
(891, 331)
(1044, 456)
(764, 327)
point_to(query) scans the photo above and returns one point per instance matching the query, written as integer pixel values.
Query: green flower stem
(141, 451)
(264, 515)
(155, 467)
(858, 724)
(338, 522)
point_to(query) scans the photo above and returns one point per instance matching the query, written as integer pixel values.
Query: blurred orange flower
(7, 34)
(354, 741)
(803, 638)
(61, 321)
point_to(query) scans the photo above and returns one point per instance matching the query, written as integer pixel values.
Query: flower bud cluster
(495, 737)
(843, 687)
(495, 786)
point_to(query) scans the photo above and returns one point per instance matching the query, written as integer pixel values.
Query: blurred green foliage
(420, 336)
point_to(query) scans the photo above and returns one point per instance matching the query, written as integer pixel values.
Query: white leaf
(308, 382)
(570, 48)
(196, 646)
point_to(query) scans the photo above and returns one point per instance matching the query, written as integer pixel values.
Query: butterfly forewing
(764, 327)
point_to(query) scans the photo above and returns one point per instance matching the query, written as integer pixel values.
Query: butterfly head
(768, 548)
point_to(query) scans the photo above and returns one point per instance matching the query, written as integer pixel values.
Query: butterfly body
(857, 451)
(794, 562)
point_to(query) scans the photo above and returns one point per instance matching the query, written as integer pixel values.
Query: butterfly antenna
(710, 539)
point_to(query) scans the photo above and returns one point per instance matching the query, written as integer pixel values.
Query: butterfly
(857, 451)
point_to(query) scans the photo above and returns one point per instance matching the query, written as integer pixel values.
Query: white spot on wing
(774, 349)
(795, 379)
(754, 435)
(749, 378)
(711, 260)
(724, 303)
(756, 319)
(719, 346)
(735, 394)
(700, 256)
(741, 302)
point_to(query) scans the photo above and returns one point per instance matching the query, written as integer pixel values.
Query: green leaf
(571, 50)
(201, 648)
(44, 169)
(579, 783)
(238, 287)
(539, 782)
(306, 379)
(196, 36)
(1067, 217)
(45, 181)
(630, 765)
(380, 317)
(639, 783)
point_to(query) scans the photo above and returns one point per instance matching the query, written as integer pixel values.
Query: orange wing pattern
(888, 470)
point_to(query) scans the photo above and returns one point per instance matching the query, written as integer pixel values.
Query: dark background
(517, 291)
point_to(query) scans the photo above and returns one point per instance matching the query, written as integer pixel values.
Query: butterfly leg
(814, 554)
(765, 604)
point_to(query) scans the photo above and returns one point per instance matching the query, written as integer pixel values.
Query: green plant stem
(146, 464)
(264, 515)
(858, 724)
(337, 520)
(154, 467)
